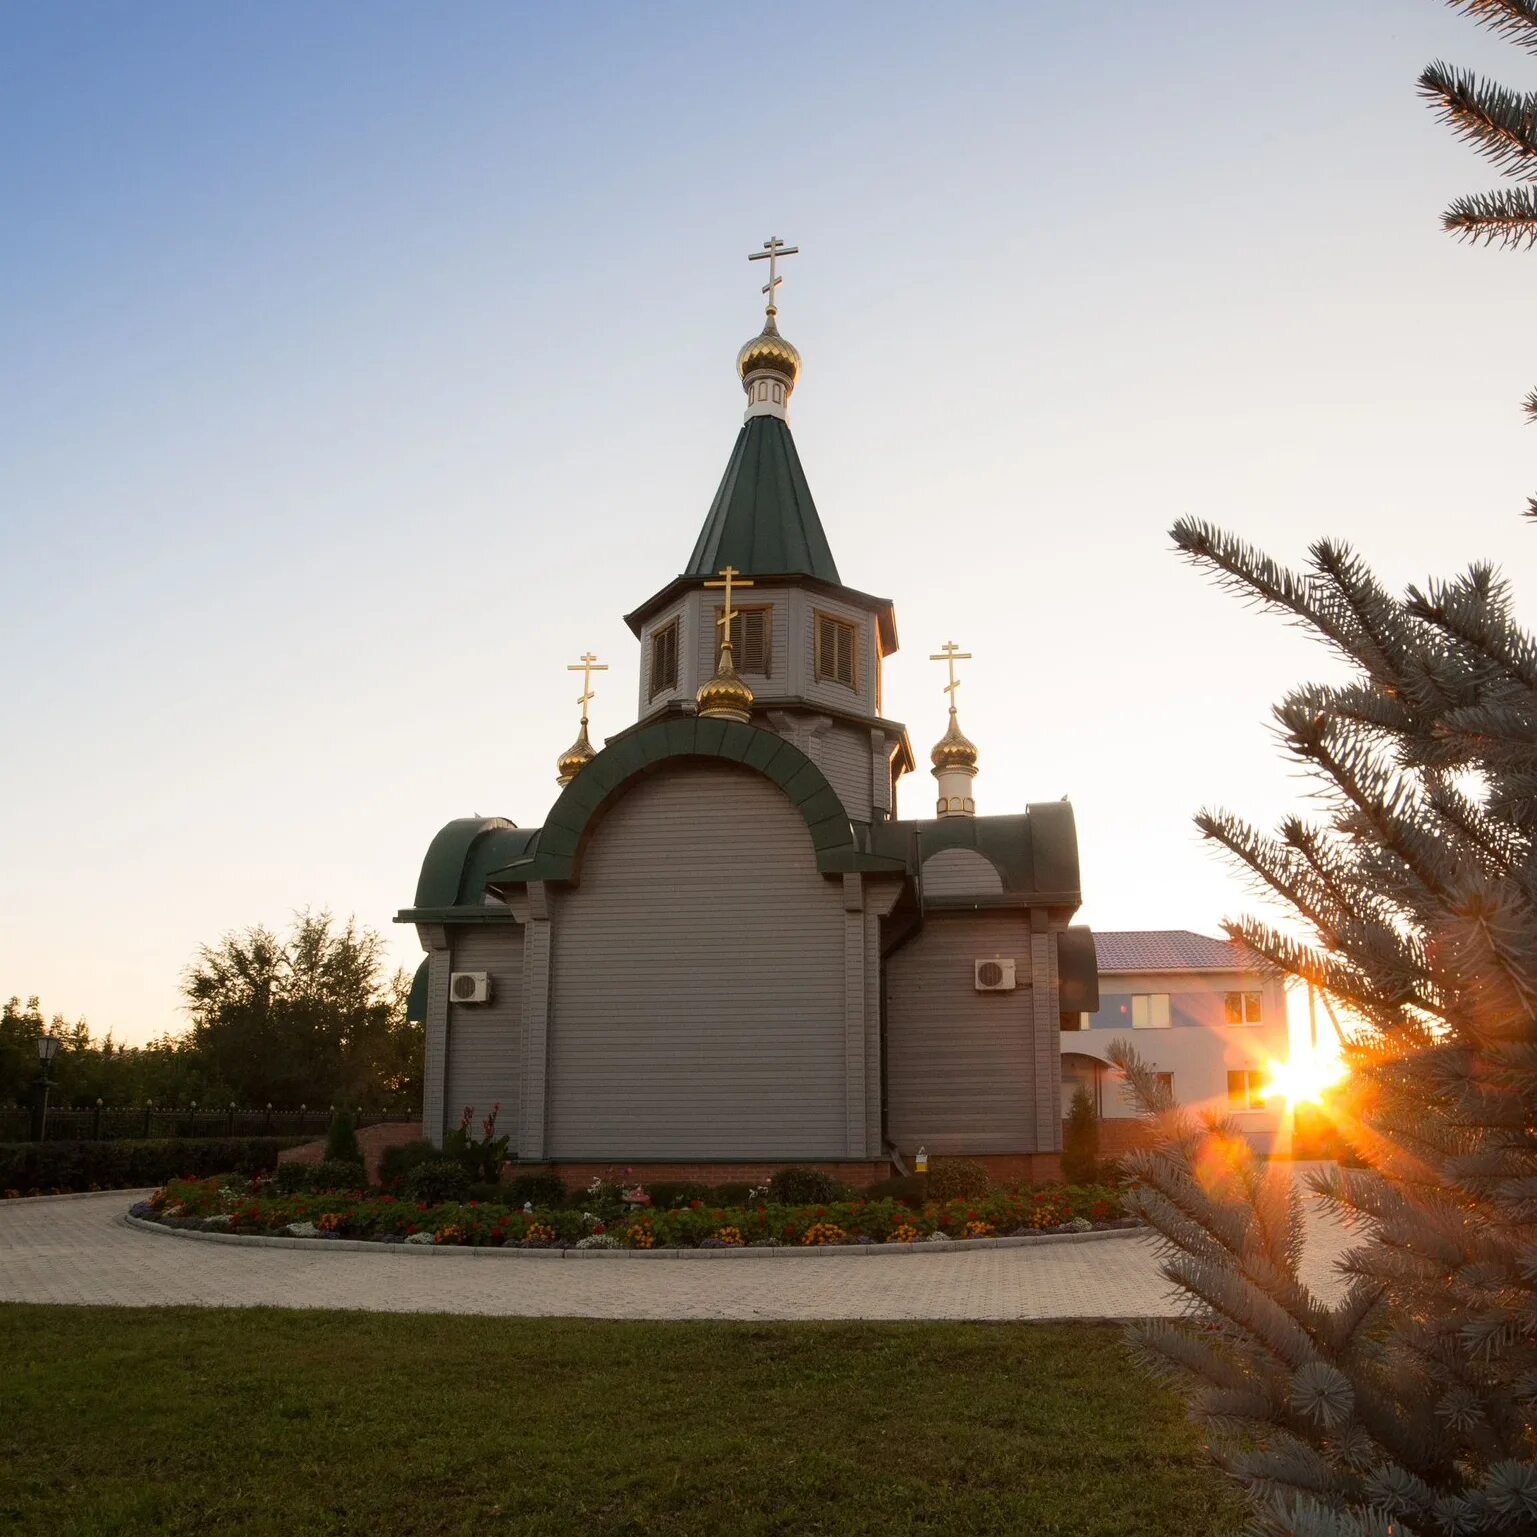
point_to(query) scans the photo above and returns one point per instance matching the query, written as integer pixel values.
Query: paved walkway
(79, 1251)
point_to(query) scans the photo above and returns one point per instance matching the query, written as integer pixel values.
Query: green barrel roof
(763, 519)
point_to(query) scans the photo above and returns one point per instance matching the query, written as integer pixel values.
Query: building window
(1242, 1008)
(664, 659)
(835, 651)
(1246, 1090)
(1150, 1011)
(752, 639)
(1166, 1082)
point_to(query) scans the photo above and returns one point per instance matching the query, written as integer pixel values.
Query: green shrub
(730, 1195)
(546, 1191)
(293, 1176)
(398, 1161)
(1080, 1141)
(338, 1174)
(957, 1179)
(126, 1164)
(443, 1179)
(804, 1187)
(670, 1194)
(342, 1139)
(910, 1189)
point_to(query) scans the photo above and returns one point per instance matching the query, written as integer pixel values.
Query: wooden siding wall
(484, 1039)
(960, 873)
(842, 752)
(697, 1001)
(962, 1066)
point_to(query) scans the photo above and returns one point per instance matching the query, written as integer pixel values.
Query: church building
(723, 953)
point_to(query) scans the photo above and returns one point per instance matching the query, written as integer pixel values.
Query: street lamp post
(47, 1050)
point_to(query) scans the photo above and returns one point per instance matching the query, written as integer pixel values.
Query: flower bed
(232, 1204)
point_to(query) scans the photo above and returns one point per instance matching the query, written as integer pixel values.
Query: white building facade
(1204, 1011)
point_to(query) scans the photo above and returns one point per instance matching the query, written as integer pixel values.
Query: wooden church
(723, 953)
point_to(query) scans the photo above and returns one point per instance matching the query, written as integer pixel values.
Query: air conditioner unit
(996, 975)
(469, 987)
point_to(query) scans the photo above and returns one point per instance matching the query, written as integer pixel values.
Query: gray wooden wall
(962, 1066)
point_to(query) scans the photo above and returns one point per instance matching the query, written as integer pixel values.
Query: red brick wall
(576, 1175)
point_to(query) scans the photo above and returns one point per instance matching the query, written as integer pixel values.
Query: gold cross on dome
(731, 579)
(773, 249)
(588, 665)
(950, 654)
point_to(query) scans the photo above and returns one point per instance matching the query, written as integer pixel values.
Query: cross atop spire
(950, 654)
(588, 665)
(773, 249)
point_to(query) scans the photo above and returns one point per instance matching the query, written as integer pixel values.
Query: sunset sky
(362, 364)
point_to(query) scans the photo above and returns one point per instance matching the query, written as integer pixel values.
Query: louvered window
(835, 651)
(752, 639)
(664, 659)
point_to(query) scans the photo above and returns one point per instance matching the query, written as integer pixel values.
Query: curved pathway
(79, 1250)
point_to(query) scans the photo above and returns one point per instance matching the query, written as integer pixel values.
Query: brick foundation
(372, 1139)
(576, 1175)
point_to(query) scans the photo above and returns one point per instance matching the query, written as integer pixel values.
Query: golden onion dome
(726, 696)
(769, 352)
(575, 758)
(954, 750)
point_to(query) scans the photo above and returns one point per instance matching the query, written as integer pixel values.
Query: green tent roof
(763, 519)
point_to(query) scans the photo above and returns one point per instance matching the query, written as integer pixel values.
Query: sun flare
(1306, 1078)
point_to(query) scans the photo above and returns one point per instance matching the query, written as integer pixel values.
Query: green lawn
(183, 1420)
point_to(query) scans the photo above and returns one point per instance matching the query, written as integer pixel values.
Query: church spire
(954, 756)
(763, 519)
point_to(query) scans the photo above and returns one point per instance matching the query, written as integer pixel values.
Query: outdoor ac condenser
(469, 987)
(996, 975)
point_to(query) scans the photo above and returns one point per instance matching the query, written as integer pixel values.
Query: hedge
(41, 1168)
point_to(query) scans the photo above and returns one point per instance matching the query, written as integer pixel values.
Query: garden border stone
(80, 1195)
(783, 1251)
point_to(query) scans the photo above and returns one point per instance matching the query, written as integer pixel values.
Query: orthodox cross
(588, 665)
(950, 654)
(773, 249)
(731, 578)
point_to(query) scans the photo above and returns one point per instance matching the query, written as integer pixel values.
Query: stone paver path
(80, 1251)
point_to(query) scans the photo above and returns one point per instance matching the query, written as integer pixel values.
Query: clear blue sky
(361, 364)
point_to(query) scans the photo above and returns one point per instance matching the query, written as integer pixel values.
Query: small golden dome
(954, 750)
(769, 352)
(575, 758)
(726, 696)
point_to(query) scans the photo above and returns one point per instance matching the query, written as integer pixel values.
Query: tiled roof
(1171, 950)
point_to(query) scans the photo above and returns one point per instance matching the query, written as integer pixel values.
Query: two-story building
(1206, 1013)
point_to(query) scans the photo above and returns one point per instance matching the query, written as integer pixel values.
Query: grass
(277, 1422)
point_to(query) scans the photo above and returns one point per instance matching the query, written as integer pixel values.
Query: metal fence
(93, 1123)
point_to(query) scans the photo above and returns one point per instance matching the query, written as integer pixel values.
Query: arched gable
(557, 854)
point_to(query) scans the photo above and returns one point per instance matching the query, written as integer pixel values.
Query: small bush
(957, 1179)
(293, 1176)
(342, 1140)
(547, 1192)
(1080, 1141)
(804, 1187)
(668, 1195)
(910, 1189)
(338, 1174)
(730, 1195)
(126, 1163)
(443, 1179)
(398, 1161)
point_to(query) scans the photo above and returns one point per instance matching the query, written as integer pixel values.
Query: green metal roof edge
(443, 866)
(416, 1004)
(765, 752)
(462, 913)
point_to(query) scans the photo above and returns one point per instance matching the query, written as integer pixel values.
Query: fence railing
(93, 1123)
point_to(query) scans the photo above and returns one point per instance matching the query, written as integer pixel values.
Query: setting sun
(1306, 1078)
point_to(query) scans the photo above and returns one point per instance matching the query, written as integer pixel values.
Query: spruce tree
(1502, 125)
(1409, 1405)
